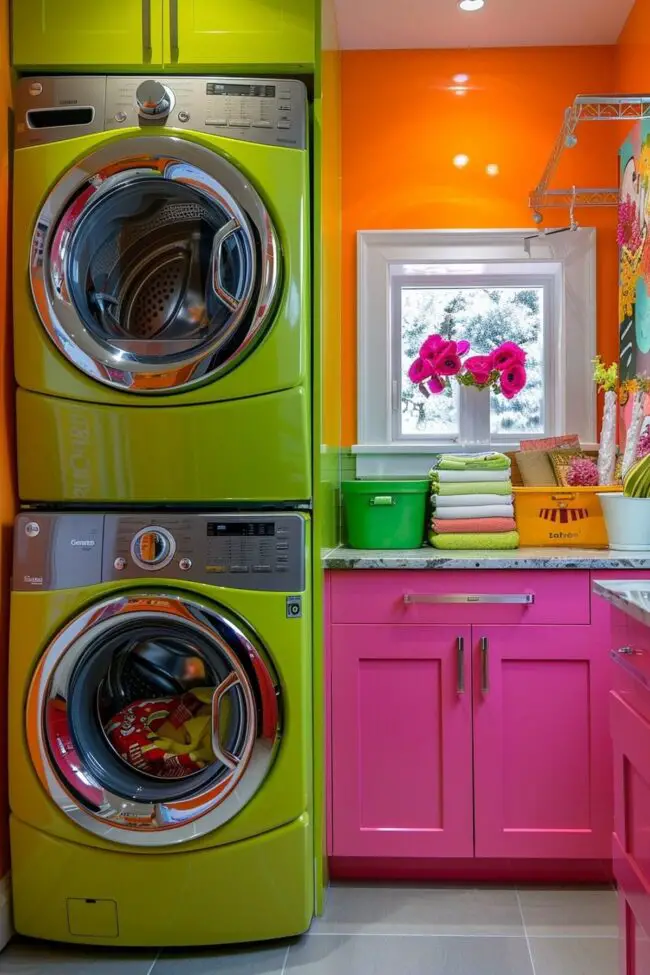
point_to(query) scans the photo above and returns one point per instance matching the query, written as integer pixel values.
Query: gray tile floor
(371, 929)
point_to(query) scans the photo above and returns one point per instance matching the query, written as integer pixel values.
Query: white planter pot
(628, 522)
(474, 423)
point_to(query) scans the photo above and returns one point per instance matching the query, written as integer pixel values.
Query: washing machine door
(155, 265)
(153, 718)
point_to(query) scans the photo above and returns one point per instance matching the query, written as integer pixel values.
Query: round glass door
(156, 270)
(152, 710)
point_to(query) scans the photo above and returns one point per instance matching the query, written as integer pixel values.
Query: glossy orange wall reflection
(7, 495)
(633, 52)
(402, 127)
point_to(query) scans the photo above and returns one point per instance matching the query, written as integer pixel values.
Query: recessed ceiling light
(460, 79)
(492, 169)
(460, 161)
(471, 4)
(459, 91)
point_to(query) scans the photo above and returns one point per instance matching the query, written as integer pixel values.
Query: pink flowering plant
(439, 360)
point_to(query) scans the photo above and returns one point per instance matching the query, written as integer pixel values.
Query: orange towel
(462, 526)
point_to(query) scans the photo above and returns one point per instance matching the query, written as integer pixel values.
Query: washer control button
(185, 564)
(154, 99)
(120, 116)
(120, 564)
(153, 548)
(183, 116)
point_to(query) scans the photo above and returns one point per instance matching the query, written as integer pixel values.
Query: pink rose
(480, 367)
(513, 380)
(436, 385)
(508, 354)
(420, 370)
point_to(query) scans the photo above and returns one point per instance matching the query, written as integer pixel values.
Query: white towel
(471, 475)
(477, 511)
(454, 500)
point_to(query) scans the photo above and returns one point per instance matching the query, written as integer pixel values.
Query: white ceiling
(381, 24)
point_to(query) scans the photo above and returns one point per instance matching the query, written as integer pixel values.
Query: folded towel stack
(472, 502)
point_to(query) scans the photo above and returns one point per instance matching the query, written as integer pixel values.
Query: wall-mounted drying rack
(586, 108)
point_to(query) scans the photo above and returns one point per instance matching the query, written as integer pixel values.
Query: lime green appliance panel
(253, 449)
(251, 33)
(258, 867)
(281, 361)
(58, 34)
(259, 889)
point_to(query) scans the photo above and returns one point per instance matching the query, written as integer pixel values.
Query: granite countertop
(521, 558)
(631, 597)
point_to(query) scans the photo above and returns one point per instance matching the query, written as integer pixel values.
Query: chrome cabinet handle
(485, 665)
(173, 29)
(514, 598)
(225, 757)
(460, 664)
(628, 651)
(146, 28)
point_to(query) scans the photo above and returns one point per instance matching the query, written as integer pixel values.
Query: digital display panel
(240, 529)
(247, 91)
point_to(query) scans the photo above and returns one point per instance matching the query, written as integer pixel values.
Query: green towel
(476, 541)
(491, 461)
(450, 488)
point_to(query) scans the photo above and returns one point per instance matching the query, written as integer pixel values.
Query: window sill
(416, 459)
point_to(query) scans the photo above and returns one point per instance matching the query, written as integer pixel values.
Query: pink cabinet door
(542, 752)
(401, 741)
(631, 736)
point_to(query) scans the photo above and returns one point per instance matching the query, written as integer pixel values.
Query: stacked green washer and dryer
(161, 735)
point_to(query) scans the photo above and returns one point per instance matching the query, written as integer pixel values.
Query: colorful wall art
(634, 254)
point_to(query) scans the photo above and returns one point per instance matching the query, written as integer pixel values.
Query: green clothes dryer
(162, 310)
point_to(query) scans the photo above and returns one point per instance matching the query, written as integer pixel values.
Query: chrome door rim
(166, 157)
(126, 821)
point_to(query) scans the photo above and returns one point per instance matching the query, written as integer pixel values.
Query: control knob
(153, 99)
(153, 548)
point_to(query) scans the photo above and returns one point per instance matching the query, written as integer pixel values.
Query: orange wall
(402, 127)
(633, 52)
(7, 494)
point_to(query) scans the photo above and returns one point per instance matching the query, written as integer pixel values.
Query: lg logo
(32, 529)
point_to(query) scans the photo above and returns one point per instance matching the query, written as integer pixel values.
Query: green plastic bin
(385, 514)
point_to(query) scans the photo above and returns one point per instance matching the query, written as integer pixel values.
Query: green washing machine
(162, 307)
(160, 729)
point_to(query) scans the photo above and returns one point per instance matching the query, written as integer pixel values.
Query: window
(485, 288)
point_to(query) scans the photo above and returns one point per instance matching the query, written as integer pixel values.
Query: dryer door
(153, 718)
(155, 265)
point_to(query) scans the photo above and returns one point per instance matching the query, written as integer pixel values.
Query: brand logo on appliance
(32, 529)
(33, 580)
(82, 542)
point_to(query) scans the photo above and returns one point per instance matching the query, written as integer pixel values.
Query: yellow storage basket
(559, 516)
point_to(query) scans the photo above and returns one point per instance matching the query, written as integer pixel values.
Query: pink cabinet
(542, 753)
(401, 745)
(513, 763)
(631, 735)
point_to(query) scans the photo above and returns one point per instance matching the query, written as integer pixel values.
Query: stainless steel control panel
(263, 552)
(264, 110)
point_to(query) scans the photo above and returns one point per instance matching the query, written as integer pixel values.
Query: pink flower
(513, 380)
(480, 367)
(431, 346)
(507, 355)
(436, 385)
(448, 363)
(420, 370)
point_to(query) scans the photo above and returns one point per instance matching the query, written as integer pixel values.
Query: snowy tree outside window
(485, 317)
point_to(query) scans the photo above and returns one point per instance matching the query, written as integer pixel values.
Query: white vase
(474, 416)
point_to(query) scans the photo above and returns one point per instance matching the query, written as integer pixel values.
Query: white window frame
(564, 264)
